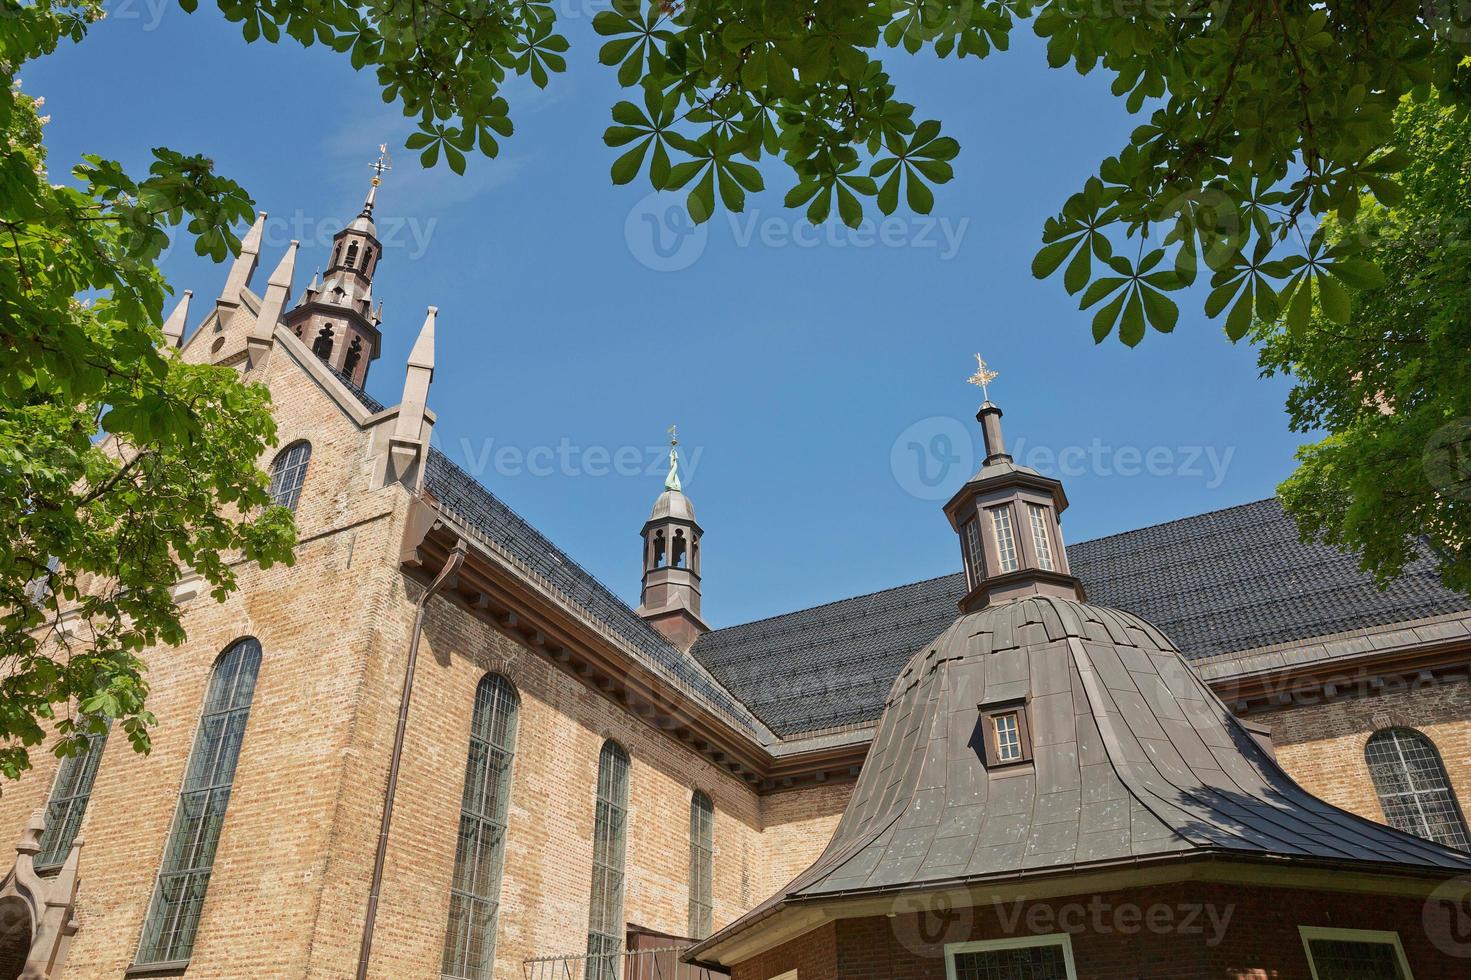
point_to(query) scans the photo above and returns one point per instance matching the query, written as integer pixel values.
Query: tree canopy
(1392, 384)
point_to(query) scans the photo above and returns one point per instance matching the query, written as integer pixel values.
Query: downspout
(451, 566)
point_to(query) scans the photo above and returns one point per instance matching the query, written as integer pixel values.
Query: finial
(379, 166)
(671, 482)
(982, 378)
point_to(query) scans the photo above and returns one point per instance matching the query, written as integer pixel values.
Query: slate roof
(1135, 760)
(466, 499)
(1226, 581)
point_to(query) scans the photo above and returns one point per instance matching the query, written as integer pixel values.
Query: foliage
(100, 528)
(1392, 384)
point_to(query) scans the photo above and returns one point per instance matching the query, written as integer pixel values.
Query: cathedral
(436, 747)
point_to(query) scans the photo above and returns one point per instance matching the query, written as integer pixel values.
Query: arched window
(352, 255)
(68, 803)
(367, 257)
(1413, 788)
(354, 354)
(469, 942)
(605, 930)
(702, 865)
(288, 473)
(188, 857)
(322, 346)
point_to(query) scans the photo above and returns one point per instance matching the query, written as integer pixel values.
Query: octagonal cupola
(670, 598)
(336, 317)
(1007, 519)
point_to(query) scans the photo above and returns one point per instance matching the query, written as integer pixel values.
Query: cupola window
(1041, 540)
(970, 543)
(367, 258)
(677, 557)
(656, 560)
(1005, 541)
(352, 254)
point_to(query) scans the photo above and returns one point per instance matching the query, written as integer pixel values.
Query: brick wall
(1322, 745)
(1176, 932)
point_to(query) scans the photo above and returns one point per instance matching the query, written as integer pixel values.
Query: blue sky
(817, 376)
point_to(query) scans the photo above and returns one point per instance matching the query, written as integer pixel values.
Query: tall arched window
(605, 930)
(469, 942)
(68, 803)
(188, 858)
(288, 473)
(1413, 788)
(702, 865)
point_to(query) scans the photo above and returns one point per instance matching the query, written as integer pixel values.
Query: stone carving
(37, 913)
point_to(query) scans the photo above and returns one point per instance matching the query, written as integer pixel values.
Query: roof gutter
(451, 567)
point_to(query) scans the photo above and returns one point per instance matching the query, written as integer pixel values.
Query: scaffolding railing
(633, 964)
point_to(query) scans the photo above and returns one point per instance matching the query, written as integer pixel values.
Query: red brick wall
(1176, 932)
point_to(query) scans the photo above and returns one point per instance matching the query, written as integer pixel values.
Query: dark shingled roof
(1134, 759)
(465, 499)
(1221, 582)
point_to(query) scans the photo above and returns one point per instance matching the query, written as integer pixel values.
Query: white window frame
(1371, 936)
(789, 975)
(1016, 942)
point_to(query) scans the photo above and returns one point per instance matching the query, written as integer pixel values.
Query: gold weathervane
(982, 378)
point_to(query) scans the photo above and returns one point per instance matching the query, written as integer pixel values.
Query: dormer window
(1006, 738)
(1041, 540)
(1005, 541)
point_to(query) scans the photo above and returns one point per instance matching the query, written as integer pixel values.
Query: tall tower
(335, 317)
(671, 592)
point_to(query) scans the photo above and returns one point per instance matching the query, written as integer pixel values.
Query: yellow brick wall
(1322, 745)
(289, 888)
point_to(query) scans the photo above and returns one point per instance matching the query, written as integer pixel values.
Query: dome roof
(1133, 758)
(672, 504)
(363, 223)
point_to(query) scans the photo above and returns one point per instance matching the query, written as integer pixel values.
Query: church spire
(670, 601)
(335, 318)
(1007, 518)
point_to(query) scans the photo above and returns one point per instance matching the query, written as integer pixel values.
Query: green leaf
(1049, 257)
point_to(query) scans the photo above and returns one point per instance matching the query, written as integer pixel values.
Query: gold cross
(983, 377)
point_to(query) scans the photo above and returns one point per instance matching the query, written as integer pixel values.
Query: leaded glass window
(1005, 542)
(1041, 540)
(605, 930)
(288, 473)
(702, 865)
(469, 941)
(1047, 959)
(68, 803)
(1354, 954)
(183, 879)
(971, 545)
(1413, 787)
